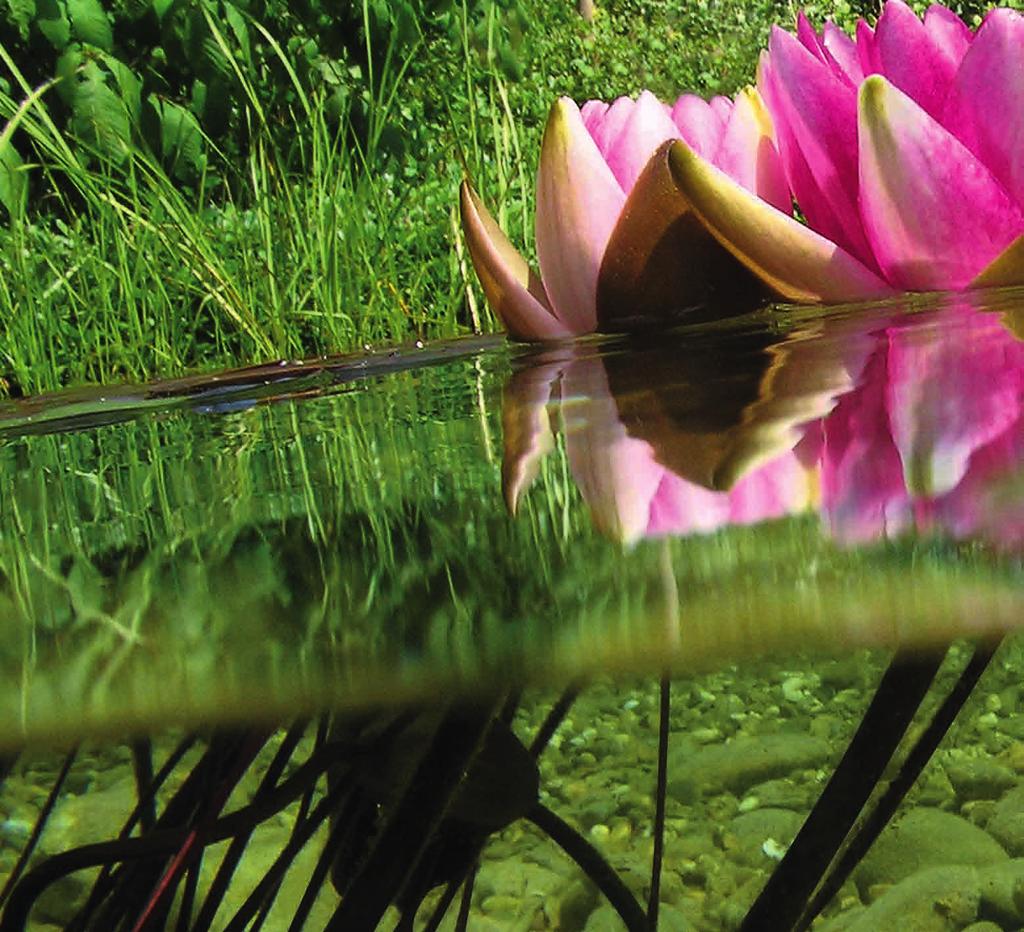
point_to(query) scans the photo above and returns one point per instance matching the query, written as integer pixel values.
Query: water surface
(458, 517)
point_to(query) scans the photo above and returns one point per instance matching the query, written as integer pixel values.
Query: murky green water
(748, 506)
(461, 517)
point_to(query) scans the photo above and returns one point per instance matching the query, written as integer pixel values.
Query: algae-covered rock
(939, 899)
(739, 764)
(1006, 823)
(979, 778)
(925, 838)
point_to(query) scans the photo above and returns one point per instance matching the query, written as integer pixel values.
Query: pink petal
(646, 128)
(722, 106)
(948, 31)
(935, 215)
(912, 58)
(985, 109)
(954, 385)
(699, 125)
(680, 507)
(748, 155)
(796, 262)
(578, 204)
(781, 487)
(512, 290)
(987, 504)
(605, 126)
(842, 51)
(799, 177)
(808, 37)
(815, 112)
(616, 474)
(862, 490)
(867, 51)
(593, 114)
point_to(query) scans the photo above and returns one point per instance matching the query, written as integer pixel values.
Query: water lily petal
(679, 508)
(578, 204)
(780, 487)
(867, 52)
(950, 33)
(793, 260)
(808, 36)
(815, 112)
(747, 153)
(813, 203)
(985, 109)
(699, 125)
(605, 124)
(647, 127)
(722, 106)
(661, 262)
(512, 289)
(842, 51)
(935, 215)
(912, 58)
(593, 114)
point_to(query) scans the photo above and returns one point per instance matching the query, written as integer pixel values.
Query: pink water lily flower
(904, 149)
(615, 240)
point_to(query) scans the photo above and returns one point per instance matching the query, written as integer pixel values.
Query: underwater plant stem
(414, 820)
(142, 765)
(660, 792)
(553, 719)
(158, 843)
(37, 829)
(916, 759)
(904, 685)
(593, 865)
(462, 920)
(229, 862)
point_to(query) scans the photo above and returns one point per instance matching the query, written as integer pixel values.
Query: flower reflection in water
(882, 424)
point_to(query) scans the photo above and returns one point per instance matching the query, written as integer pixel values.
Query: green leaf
(240, 29)
(181, 140)
(52, 21)
(99, 115)
(20, 14)
(67, 73)
(13, 180)
(128, 85)
(90, 23)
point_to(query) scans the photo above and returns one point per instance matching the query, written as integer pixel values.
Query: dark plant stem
(917, 758)
(553, 719)
(593, 865)
(413, 822)
(661, 791)
(904, 685)
(236, 849)
(37, 829)
(142, 764)
(104, 882)
(462, 920)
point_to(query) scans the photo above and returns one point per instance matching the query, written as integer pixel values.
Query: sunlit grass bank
(324, 235)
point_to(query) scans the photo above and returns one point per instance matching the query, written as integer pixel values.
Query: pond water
(467, 515)
(765, 508)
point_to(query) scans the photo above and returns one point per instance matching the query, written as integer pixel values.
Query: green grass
(122, 273)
